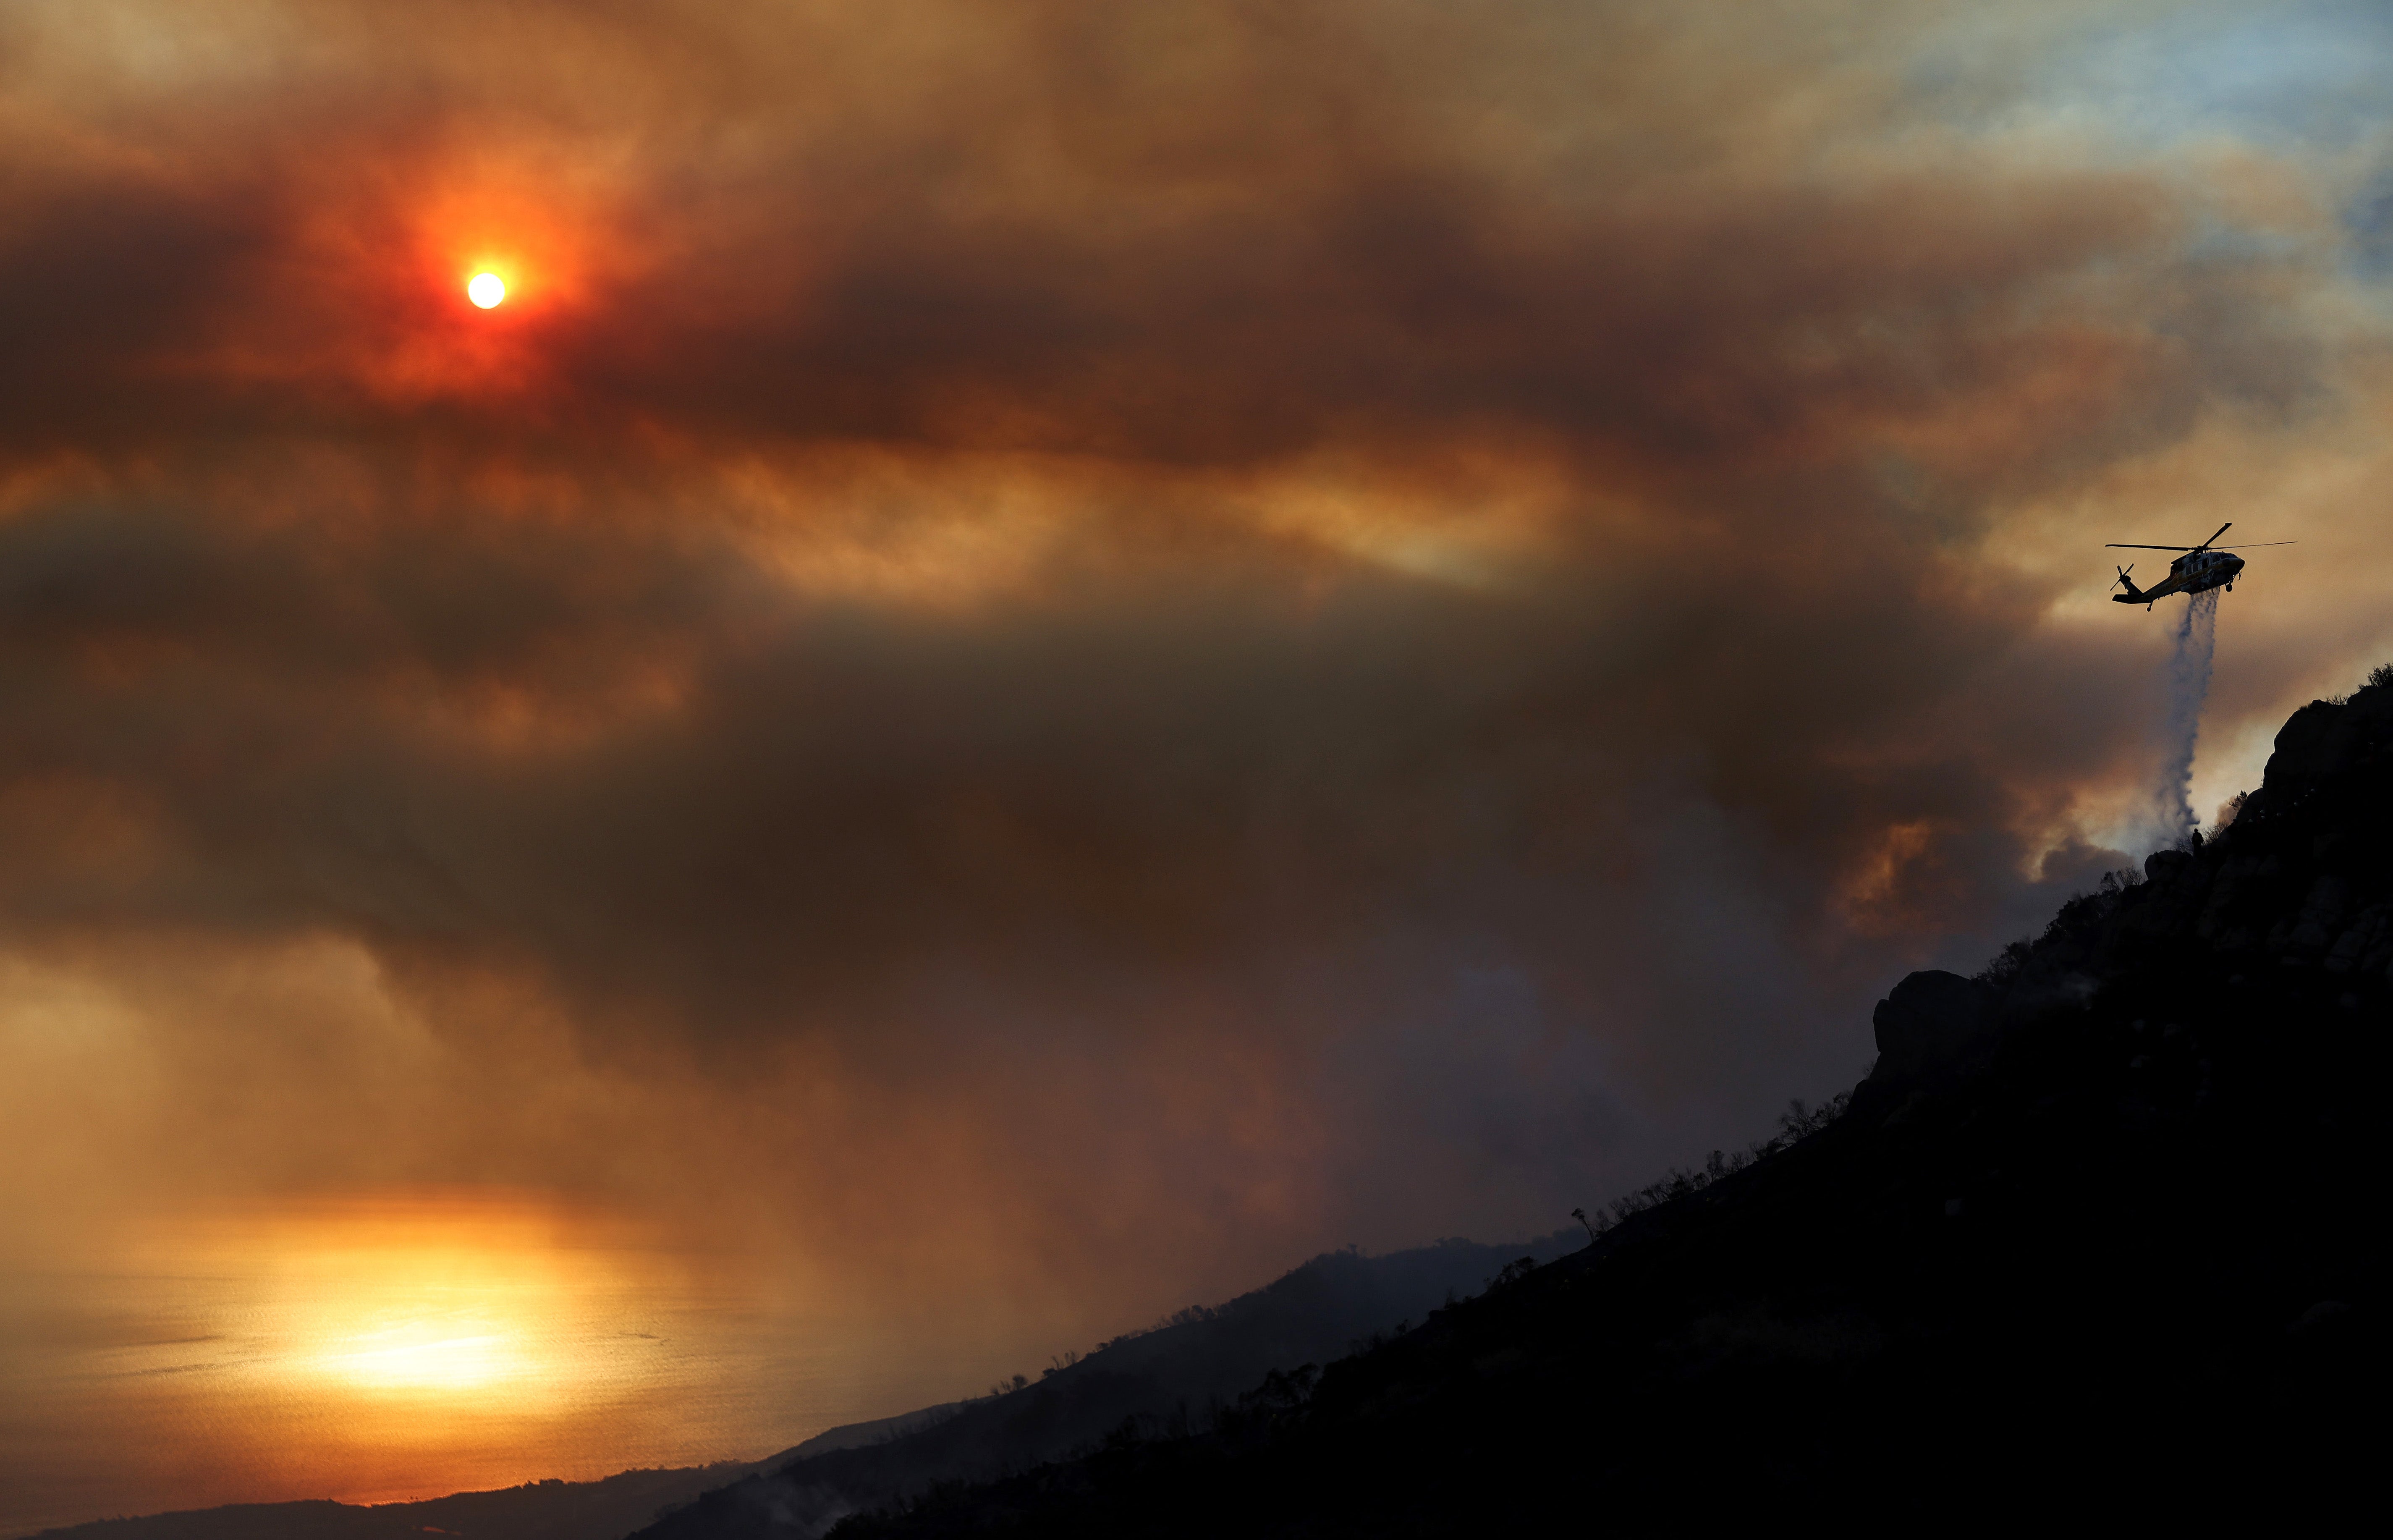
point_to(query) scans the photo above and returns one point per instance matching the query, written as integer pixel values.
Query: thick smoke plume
(2185, 685)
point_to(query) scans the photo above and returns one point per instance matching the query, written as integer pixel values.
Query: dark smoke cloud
(1320, 621)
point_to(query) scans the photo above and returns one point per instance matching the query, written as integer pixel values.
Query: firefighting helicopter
(2203, 567)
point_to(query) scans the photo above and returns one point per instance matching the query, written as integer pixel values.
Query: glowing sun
(486, 290)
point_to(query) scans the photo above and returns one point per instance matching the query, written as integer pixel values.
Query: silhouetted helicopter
(2202, 567)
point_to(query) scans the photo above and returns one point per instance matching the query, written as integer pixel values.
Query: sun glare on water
(486, 290)
(398, 1344)
(418, 1357)
(433, 1303)
(428, 1306)
(394, 1344)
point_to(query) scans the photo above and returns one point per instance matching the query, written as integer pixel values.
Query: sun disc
(486, 290)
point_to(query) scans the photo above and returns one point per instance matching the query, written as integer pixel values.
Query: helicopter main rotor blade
(2122, 545)
(2215, 533)
(2256, 546)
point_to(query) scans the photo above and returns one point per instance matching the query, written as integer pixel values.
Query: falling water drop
(2185, 683)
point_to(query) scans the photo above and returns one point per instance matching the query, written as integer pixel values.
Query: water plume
(2185, 683)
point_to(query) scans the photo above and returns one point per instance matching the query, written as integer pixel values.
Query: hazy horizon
(417, 1344)
(423, 1343)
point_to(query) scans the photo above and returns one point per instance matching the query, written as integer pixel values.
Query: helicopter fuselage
(2195, 572)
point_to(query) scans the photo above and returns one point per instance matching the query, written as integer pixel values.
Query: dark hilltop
(2096, 1240)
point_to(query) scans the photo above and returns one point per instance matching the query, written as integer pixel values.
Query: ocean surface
(387, 1350)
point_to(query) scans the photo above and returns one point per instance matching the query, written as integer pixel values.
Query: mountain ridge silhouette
(1180, 1372)
(2095, 1239)
(1196, 1356)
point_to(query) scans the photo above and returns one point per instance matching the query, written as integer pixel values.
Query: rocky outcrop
(2302, 879)
(1931, 1023)
(2325, 742)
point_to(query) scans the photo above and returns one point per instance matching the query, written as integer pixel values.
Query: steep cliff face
(2097, 1235)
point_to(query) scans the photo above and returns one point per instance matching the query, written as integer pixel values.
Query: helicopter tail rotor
(2133, 594)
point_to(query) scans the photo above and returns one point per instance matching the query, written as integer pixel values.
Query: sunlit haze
(400, 1345)
(1052, 656)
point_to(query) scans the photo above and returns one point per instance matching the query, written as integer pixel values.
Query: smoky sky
(1148, 637)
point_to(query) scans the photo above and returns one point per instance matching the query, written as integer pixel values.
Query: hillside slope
(2099, 1236)
(1177, 1374)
